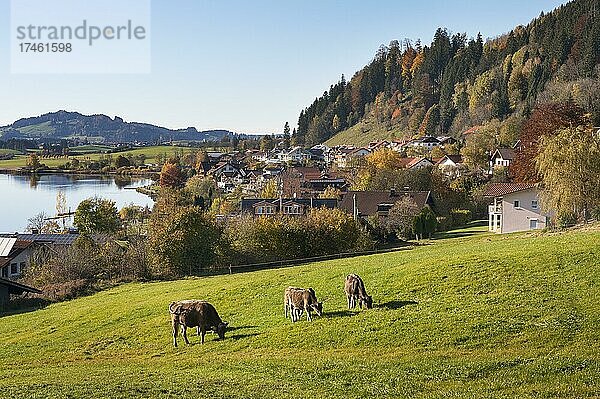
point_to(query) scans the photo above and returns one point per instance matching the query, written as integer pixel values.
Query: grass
(364, 132)
(4, 151)
(152, 154)
(484, 316)
(91, 149)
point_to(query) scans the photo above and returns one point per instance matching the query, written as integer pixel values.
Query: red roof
(500, 189)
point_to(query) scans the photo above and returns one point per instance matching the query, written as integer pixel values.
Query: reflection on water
(25, 196)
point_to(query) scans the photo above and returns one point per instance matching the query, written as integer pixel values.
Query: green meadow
(151, 153)
(471, 316)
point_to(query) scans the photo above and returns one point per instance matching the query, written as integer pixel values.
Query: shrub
(460, 217)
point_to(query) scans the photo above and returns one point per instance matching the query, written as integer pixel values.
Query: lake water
(22, 197)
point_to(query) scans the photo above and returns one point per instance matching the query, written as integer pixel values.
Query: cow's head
(318, 308)
(368, 301)
(220, 329)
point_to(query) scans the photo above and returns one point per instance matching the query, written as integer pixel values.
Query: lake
(22, 197)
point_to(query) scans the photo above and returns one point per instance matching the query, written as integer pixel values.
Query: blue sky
(248, 66)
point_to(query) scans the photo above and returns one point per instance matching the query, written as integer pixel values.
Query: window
(14, 269)
(265, 210)
(5, 271)
(291, 210)
(22, 267)
(517, 204)
(533, 224)
(534, 204)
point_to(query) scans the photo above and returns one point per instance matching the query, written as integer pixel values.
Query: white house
(296, 154)
(428, 142)
(451, 165)
(502, 158)
(14, 257)
(515, 207)
(346, 157)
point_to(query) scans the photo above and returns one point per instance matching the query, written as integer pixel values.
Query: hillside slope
(99, 128)
(483, 317)
(454, 83)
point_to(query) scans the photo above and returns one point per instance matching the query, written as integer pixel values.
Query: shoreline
(20, 172)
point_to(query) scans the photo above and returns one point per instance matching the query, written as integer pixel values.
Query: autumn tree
(569, 165)
(182, 239)
(33, 161)
(544, 121)
(171, 176)
(270, 190)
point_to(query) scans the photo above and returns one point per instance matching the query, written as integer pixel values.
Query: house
(14, 257)
(294, 180)
(296, 154)
(515, 207)
(451, 165)
(447, 140)
(349, 156)
(378, 145)
(9, 287)
(285, 206)
(427, 142)
(398, 145)
(501, 158)
(415, 163)
(378, 203)
(227, 169)
(17, 249)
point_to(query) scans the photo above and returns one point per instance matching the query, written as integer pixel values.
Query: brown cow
(298, 300)
(193, 313)
(355, 291)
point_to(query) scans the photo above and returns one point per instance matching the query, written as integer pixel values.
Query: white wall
(520, 218)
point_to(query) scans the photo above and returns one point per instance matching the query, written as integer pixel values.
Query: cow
(194, 313)
(355, 291)
(298, 300)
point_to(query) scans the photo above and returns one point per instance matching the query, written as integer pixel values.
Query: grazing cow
(355, 291)
(298, 300)
(193, 313)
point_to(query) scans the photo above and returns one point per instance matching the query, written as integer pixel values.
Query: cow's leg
(203, 331)
(175, 330)
(285, 309)
(184, 333)
(348, 300)
(198, 330)
(308, 316)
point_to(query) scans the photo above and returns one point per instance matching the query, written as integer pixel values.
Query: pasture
(152, 154)
(482, 316)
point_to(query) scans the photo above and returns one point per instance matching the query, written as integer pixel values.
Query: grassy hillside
(482, 316)
(152, 154)
(365, 132)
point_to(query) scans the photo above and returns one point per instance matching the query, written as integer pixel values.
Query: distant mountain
(100, 129)
(445, 88)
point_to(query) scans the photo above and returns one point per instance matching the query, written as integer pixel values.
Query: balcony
(495, 209)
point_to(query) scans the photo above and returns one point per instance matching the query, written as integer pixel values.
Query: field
(152, 154)
(479, 316)
(4, 151)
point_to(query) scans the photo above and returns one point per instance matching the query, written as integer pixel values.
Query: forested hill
(455, 83)
(99, 128)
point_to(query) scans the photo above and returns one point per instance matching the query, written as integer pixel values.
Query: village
(291, 181)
